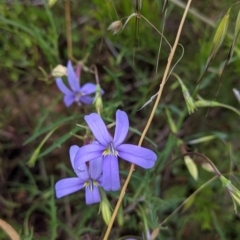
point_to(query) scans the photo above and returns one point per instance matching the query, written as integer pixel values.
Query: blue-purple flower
(76, 93)
(109, 148)
(88, 176)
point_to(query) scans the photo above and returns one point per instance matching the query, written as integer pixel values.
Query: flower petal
(67, 186)
(86, 100)
(72, 153)
(87, 153)
(62, 87)
(88, 88)
(92, 196)
(69, 100)
(95, 168)
(111, 179)
(72, 78)
(82, 172)
(140, 156)
(122, 126)
(98, 128)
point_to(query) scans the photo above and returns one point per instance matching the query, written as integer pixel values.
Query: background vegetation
(33, 41)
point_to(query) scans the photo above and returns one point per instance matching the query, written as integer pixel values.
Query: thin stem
(149, 120)
(68, 28)
(96, 74)
(195, 193)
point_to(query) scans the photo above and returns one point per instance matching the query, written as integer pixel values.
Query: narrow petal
(67, 186)
(122, 126)
(88, 88)
(86, 100)
(62, 87)
(72, 78)
(140, 156)
(95, 168)
(87, 153)
(92, 196)
(69, 100)
(98, 128)
(111, 179)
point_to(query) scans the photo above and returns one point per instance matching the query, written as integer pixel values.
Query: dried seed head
(59, 71)
(115, 27)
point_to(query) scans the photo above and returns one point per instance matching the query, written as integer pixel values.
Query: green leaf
(48, 128)
(219, 36)
(235, 37)
(59, 142)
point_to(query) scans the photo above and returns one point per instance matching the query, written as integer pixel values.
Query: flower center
(90, 184)
(78, 95)
(110, 150)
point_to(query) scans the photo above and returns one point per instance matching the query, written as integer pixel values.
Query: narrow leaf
(48, 128)
(219, 36)
(34, 157)
(235, 37)
(217, 42)
(59, 142)
(204, 103)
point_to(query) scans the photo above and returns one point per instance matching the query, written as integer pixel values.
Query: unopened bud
(237, 94)
(59, 71)
(234, 192)
(98, 98)
(188, 99)
(115, 27)
(191, 166)
(105, 209)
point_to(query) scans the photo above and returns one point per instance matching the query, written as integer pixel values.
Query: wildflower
(89, 176)
(76, 94)
(109, 148)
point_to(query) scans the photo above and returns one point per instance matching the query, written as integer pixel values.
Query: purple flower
(111, 147)
(89, 176)
(76, 94)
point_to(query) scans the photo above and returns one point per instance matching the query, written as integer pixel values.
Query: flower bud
(59, 71)
(115, 27)
(188, 99)
(191, 166)
(234, 192)
(98, 98)
(105, 208)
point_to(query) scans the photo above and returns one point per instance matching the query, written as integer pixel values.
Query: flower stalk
(167, 69)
